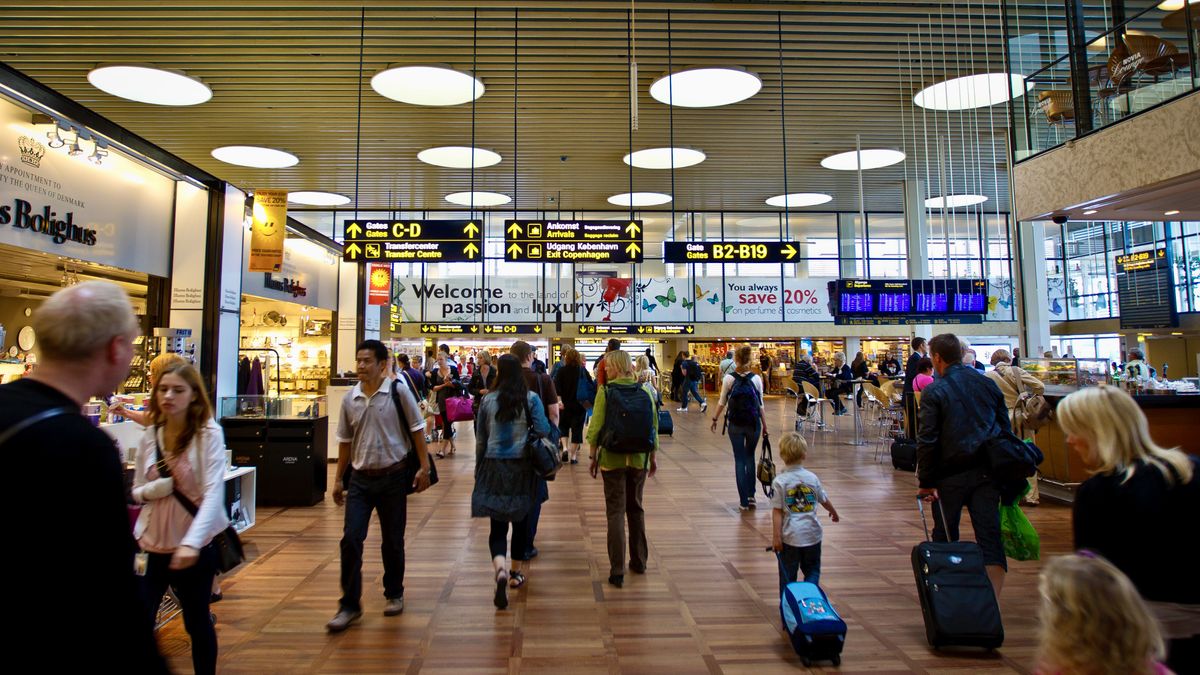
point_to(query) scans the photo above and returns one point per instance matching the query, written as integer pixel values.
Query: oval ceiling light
(639, 199)
(432, 84)
(971, 91)
(149, 84)
(459, 157)
(317, 198)
(1173, 5)
(799, 199)
(705, 86)
(255, 157)
(665, 158)
(872, 158)
(478, 198)
(954, 201)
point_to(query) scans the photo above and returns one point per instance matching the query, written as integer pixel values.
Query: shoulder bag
(766, 467)
(412, 463)
(24, 424)
(226, 545)
(542, 452)
(1031, 411)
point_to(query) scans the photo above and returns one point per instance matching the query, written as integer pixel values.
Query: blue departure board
(857, 302)
(970, 296)
(931, 301)
(893, 297)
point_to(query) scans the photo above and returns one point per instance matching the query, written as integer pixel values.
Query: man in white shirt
(373, 440)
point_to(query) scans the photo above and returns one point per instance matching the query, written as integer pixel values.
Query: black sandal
(501, 598)
(516, 579)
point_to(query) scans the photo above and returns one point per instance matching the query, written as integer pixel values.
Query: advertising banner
(379, 284)
(268, 231)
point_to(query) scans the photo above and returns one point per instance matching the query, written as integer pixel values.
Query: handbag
(412, 463)
(226, 545)
(1031, 411)
(542, 452)
(459, 409)
(766, 467)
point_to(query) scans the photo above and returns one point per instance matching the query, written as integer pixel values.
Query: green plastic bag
(1021, 541)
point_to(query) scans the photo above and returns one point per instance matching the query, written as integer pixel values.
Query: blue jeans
(690, 387)
(806, 559)
(387, 495)
(744, 441)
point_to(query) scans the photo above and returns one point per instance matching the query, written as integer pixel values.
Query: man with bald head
(73, 549)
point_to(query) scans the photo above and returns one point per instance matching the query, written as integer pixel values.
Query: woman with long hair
(677, 377)
(179, 476)
(445, 382)
(1130, 510)
(483, 381)
(505, 481)
(859, 370)
(742, 396)
(573, 413)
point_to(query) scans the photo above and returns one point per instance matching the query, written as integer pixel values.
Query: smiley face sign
(266, 230)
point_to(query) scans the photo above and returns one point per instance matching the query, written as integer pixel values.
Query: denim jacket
(959, 411)
(506, 440)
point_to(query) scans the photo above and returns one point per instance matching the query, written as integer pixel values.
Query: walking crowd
(1127, 602)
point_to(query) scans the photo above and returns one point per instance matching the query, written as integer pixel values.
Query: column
(1033, 289)
(347, 328)
(846, 245)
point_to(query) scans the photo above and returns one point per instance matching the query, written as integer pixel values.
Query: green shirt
(612, 460)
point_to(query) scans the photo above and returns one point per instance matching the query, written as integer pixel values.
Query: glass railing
(1137, 65)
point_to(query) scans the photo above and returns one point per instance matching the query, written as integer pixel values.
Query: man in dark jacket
(919, 351)
(959, 412)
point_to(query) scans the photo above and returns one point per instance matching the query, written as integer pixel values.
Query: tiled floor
(709, 602)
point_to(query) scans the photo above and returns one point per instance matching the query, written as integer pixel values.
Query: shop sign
(756, 299)
(573, 241)
(379, 284)
(117, 213)
(730, 251)
(268, 231)
(421, 241)
(291, 287)
(308, 275)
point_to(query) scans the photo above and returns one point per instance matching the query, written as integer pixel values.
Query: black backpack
(628, 420)
(693, 370)
(744, 408)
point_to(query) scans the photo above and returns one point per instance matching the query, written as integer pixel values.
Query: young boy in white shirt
(796, 530)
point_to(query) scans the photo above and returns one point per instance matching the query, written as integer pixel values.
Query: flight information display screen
(913, 301)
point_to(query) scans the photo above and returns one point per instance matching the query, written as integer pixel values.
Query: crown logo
(32, 151)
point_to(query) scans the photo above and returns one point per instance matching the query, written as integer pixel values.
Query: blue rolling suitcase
(813, 625)
(666, 426)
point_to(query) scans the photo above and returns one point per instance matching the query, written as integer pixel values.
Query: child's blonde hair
(792, 448)
(1094, 621)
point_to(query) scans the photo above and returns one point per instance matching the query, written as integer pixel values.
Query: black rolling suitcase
(904, 454)
(957, 599)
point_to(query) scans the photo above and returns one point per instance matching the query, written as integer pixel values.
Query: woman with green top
(622, 441)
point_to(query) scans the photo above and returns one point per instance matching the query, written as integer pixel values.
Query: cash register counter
(1172, 419)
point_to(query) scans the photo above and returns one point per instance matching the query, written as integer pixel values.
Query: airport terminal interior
(826, 187)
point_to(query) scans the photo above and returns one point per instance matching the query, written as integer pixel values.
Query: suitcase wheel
(837, 660)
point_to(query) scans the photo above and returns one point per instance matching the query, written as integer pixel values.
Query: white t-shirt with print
(798, 493)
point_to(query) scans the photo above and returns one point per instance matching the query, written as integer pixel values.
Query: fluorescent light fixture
(953, 201)
(665, 158)
(971, 91)
(705, 86)
(1173, 5)
(317, 198)
(255, 157)
(1090, 212)
(639, 199)
(478, 198)
(1174, 212)
(145, 83)
(428, 84)
(798, 199)
(458, 157)
(872, 158)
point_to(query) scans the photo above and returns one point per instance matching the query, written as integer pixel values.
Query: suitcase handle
(778, 560)
(921, 508)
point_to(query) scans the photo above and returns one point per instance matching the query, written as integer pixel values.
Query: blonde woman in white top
(181, 454)
(745, 405)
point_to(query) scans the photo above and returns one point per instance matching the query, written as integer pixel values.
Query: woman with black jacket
(573, 414)
(842, 376)
(677, 377)
(483, 380)
(859, 369)
(445, 382)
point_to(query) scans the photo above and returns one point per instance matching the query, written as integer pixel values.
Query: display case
(1063, 376)
(283, 407)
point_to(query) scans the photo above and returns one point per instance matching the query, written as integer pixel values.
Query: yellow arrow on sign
(474, 329)
(487, 329)
(513, 227)
(353, 250)
(471, 250)
(632, 229)
(690, 329)
(514, 250)
(353, 230)
(537, 329)
(789, 251)
(641, 329)
(633, 248)
(471, 229)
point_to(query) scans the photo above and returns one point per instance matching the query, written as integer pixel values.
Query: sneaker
(704, 406)
(743, 507)
(342, 620)
(681, 410)
(752, 505)
(394, 606)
